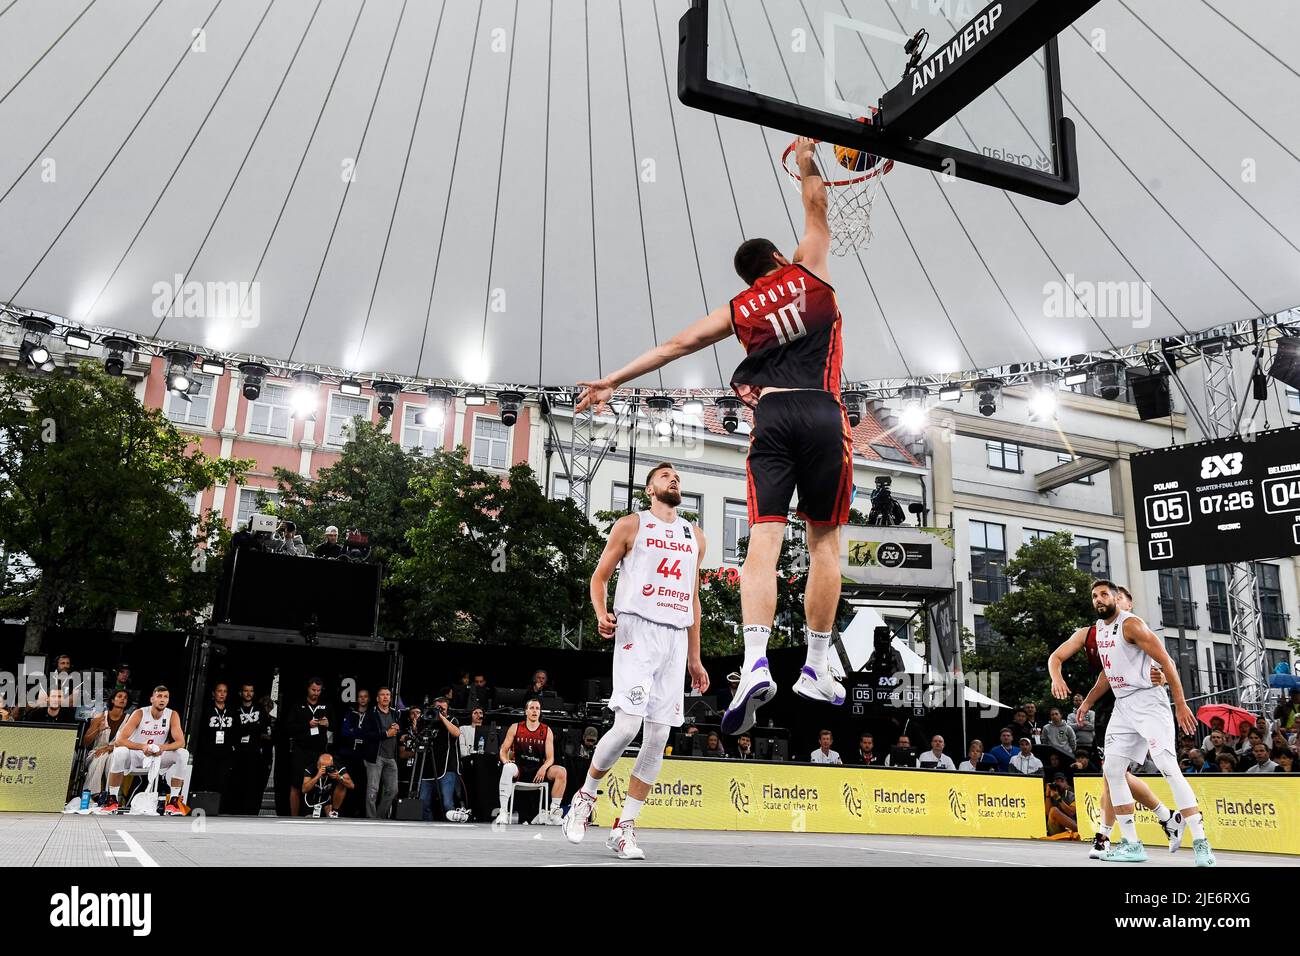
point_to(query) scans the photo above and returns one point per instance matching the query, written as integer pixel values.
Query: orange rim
(880, 169)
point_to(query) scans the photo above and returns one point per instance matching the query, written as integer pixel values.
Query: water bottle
(85, 800)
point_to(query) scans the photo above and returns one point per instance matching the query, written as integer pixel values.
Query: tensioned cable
(347, 188)
(68, 119)
(27, 73)
(288, 194)
(451, 183)
(1205, 162)
(885, 192)
(238, 172)
(1282, 63)
(8, 8)
(681, 172)
(636, 172)
(1235, 105)
(591, 185)
(401, 183)
(179, 163)
(546, 188)
(117, 152)
(496, 204)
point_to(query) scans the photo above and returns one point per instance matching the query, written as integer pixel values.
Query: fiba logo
(890, 555)
(1090, 807)
(1215, 466)
(957, 804)
(615, 791)
(852, 802)
(739, 796)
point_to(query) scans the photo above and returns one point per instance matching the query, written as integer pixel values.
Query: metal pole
(633, 405)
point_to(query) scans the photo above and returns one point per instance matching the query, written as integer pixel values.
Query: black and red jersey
(789, 323)
(530, 745)
(1090, 645)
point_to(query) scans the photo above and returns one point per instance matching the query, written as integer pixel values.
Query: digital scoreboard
(1219, 502)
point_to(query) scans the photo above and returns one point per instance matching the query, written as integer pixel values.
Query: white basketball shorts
(1141, 723)
(649, 670)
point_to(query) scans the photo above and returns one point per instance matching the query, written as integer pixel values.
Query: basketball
(857, 160)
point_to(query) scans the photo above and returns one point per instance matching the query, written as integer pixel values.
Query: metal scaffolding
(1222, 416)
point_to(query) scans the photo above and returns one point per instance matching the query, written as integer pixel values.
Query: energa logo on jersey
(1222, 466)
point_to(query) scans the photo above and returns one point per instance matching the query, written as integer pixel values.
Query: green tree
(90, 492)
(1049, 598)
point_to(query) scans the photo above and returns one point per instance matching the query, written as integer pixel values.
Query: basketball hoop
(849, 200)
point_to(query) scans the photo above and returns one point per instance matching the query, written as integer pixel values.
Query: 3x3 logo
(1216, 466)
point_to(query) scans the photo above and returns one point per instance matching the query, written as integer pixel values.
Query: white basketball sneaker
(575, 824)
(755, 689)
(821, 687)
(1174, 829)
(622, 840)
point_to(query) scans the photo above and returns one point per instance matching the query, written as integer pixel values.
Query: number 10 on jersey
(787, 323)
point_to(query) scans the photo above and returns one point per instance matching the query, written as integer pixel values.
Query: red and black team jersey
(1090, 645)
(530, 745)
(789, 323)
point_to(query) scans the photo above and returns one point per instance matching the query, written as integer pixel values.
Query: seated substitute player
(326, 788)
(1140, 723)
(528, 754)
(1085, 638)
(656, 631)
(152, 732)
(789, 323)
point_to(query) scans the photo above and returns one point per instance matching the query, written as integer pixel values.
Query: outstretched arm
(713, 328)
(816, 242)
(1071, 646)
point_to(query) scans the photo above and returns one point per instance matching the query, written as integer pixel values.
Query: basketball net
(848, 198)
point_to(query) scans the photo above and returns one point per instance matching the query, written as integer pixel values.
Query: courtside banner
(742, 795)
(1254, 811)
(35, 766)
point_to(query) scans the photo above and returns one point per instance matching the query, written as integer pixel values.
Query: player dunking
(656, 630)
(1140, 723)
(1085, 638)
(789, 324)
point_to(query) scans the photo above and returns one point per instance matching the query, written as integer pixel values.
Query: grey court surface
(29, 839)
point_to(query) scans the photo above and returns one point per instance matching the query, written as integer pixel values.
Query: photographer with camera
(884, 509)
(1062, 817)
(326, 788)
(434, 744)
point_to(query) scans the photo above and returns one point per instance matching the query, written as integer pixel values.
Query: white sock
(1105, 829)
(1196, 824)
(175, 790)
(756, 636)
(1162, 813)
(631, 807)
(115, 791)
(591, 786)
(817, 644)
(1127, 827)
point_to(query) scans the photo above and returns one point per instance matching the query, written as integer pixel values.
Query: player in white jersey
(656, 629)
(1140, 723)
(150, 732)
(1172, 822)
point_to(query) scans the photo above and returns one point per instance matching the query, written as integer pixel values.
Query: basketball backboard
(983, 102)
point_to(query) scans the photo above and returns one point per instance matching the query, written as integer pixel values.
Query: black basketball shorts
(801, 441)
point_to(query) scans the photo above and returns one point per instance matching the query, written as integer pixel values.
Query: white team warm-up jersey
(152, 731)
(1127, 666)
(656, 579)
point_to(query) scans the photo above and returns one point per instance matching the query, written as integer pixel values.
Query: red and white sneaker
(110, 805)
(175, 808)
(622, 840)
(579, 816)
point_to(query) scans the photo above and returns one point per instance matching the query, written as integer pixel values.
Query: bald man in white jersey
(656, 630)
(1140, 723)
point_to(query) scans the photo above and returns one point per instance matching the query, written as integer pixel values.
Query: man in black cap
(1061, 814)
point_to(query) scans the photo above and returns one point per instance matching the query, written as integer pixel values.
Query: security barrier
(743, 795)
(1259, 812)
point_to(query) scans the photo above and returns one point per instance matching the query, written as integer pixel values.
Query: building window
(491, 443)
(416, 437)
(988, 561)
(735, 528)
(1092, 555)
(890, 453)
(1170, 604)
(1216, 583)
(1065, 460)
(1004, 456)
(1293, 400)
(1183, 652)
(560, 488)
(1268, 586)
(1275, 657)
(339, 425)
(985, 636)
(269, 415)
(248, 503)
(197, 412)
(1030, 535)
(1225, 669)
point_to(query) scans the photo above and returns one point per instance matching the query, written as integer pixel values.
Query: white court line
(133, 850)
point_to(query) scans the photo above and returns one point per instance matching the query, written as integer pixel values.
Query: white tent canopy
(510, 191)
